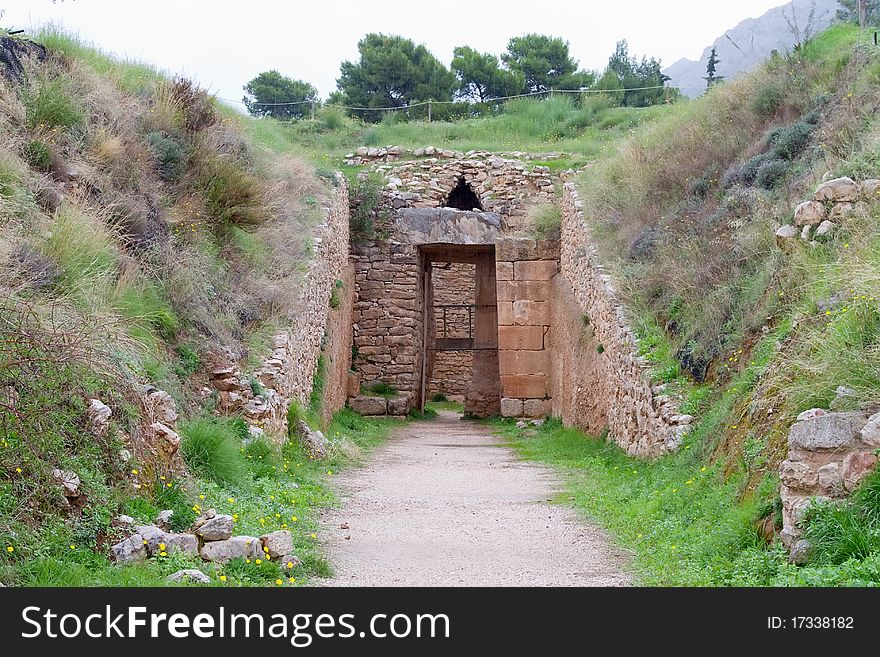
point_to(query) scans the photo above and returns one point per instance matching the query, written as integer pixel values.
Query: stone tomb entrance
(460, 323)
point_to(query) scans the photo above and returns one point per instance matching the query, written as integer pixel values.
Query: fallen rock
(156, 541)
(289, 561)
(218, 528)
(367, 405)
(313, 442)
(785, 236)
(231, 548)
(125, 520)
(129, 550)
(277, 543)
(99, 417)
(163, 520)
(69, 481)
(49, 198)
(399, 405)
(522, 424)
(871, 189)
(870, 433)
(811, 414)
(838, 189)
(168, 439)
(800, 552)
(189, 574)
(162, 406)
(825, 228)
(809, 213)
(202, 519)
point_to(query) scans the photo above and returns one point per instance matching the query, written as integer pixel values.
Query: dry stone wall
(640, 418)
(453, 284)
(829, 453)
(288, 374)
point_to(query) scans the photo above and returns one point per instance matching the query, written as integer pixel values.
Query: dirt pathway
(444, 503)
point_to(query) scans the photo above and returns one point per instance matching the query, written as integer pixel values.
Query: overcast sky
(224, 44)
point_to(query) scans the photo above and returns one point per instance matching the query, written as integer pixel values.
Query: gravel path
(444, 503)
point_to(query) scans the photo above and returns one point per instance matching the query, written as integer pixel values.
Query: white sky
(224, 44)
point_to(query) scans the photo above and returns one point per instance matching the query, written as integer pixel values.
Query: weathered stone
(155, 538)
(841, 211)
(857, 466)
(277, 543)
(800, 552)
(511, 407)
(797, 475)
(871, 189)
(163, 520)
(218, 528)
(809, 213)
(536, 408)
(69, 481)
(313, 442)
(231, 548)
(830, 479)
(870, 433)
(811, 414)
(129, 550)
(366, 405)
(825, 228)
(99, 417)
(805, 233)
(162, 406)
(399, 405)
(167, 439)
(189, 575)
(203, 518)
(785, 236)
(289, 562)
(837, 190)
(825, 432)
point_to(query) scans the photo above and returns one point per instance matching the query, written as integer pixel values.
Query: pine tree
(711, 76)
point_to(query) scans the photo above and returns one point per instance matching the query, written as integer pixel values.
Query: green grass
(211, 447)
(273, 489)
(51, 106)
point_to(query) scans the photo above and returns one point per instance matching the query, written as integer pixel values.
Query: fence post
(313, 110)
(429, 111)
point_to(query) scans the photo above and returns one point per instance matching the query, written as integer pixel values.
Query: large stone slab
(826, 432)
(446, 226)
(367, 405)
(232, 548)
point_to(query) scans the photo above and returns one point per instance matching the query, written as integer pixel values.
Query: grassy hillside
(141, 228)
(580, 127)
(685, 213)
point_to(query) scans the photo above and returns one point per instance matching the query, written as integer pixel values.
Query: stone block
(524, 386)
(353, 384)
(857, 466)
(512, 361)
(366, 405)
(504, 271)
(218, 528)
(797, 475)
(531, 313)
(537, 408)
(516, 248)
(505, 313)
(237, 546)
(548, 249)
(511, 407)
(276, 544)
(826, 432)
(838, 189)
(521, 337)
(399, 405)
(535, 270)
(523, 290)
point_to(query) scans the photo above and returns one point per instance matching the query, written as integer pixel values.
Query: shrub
(170, 155)
(38, 155)
(211, 448)
(365, 201)
(770, 173)
(382, 389)
(49, 107)
(195, 103)
(332, 118)
(232, 195)
(171, 495)
(767, 99)
(790, 141)
(439, 397)
(545, 221)
(749, 170)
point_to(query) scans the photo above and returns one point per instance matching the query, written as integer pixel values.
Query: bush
(382, 389)
(365, 201)
(749, 170)
(767, 99)
(38, 155)
(232, 195)
(790, 141)
(545, 221)
(332, 118)
(170, 155)
(770, 173)
(49, 107)
(211, 448)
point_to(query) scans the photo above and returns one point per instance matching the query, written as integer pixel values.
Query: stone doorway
(460, 324)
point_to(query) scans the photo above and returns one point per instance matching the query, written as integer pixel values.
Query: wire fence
(430, 104)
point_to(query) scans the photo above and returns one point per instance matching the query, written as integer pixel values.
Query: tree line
(393, 71)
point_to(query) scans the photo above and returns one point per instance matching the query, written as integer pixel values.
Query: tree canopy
(849, 11)
(642, 79)
(393, 72)
(544, 62)
(481, 77)
(270, 88)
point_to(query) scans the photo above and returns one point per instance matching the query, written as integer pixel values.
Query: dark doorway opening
(462, 197)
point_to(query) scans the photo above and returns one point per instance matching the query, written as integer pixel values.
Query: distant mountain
(750, 42)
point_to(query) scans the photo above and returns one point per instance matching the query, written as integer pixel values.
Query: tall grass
(212, 447)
